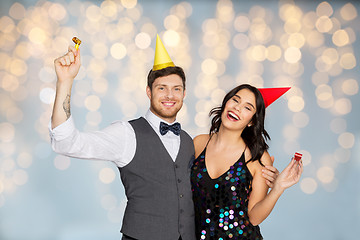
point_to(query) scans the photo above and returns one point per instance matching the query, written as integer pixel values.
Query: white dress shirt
(116, 143)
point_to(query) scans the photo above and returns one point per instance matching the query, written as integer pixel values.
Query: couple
(225, 174)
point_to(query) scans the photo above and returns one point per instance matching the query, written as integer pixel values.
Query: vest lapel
(179, 155)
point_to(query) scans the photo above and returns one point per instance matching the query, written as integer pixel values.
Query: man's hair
(165, 72)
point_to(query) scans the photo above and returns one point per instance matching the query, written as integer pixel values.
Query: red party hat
(271, 94)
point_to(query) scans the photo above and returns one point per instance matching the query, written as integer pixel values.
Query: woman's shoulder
(266, 159)
(200, 142)
(256, 166)
(201, 138)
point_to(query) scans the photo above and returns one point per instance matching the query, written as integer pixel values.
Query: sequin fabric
(221, 204)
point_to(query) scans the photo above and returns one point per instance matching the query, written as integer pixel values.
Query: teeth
(168, 104)
(233, 115)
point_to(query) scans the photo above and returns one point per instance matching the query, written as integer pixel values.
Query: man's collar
(154, 120)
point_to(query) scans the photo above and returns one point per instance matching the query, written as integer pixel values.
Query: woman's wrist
(278, 190)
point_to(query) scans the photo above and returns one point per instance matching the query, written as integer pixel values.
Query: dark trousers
(124, 237)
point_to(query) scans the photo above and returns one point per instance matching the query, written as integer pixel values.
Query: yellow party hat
(162, 58)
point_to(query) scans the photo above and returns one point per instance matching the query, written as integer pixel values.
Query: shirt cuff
(62, 131)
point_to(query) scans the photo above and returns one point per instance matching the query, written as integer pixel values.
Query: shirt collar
(155, 120)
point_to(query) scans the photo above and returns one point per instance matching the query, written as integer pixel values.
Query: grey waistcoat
(158, 190)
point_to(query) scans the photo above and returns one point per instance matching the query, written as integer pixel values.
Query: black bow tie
(175, 128)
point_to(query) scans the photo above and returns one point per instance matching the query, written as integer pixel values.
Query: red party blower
(297, 156)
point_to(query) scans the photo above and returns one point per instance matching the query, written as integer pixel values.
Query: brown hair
(165, 72)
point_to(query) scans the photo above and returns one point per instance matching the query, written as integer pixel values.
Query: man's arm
(270, 173)
(66, 68)
(115, 143)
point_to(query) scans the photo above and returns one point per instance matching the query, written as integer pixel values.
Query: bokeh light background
(312, 46)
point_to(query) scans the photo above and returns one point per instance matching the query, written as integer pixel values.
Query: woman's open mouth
(232, 116)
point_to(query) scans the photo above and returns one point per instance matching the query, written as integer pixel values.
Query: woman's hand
(289, 176)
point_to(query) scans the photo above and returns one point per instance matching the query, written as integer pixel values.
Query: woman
(230, 195)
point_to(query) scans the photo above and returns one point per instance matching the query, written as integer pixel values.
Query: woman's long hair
(254, 136)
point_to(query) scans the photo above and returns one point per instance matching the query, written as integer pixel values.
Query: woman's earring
(249, 125)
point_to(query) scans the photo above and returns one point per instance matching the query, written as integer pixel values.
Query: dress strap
(244, 150)
(246, 162)
(209, 140)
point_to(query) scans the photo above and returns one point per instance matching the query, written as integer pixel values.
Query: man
(153, 162)
(152, 153)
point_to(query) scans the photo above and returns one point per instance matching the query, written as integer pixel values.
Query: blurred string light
(329, 64)
(119, 36)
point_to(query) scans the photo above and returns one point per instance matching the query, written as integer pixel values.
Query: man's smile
(168, 103)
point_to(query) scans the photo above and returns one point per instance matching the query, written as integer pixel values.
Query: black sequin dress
(221, 204)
